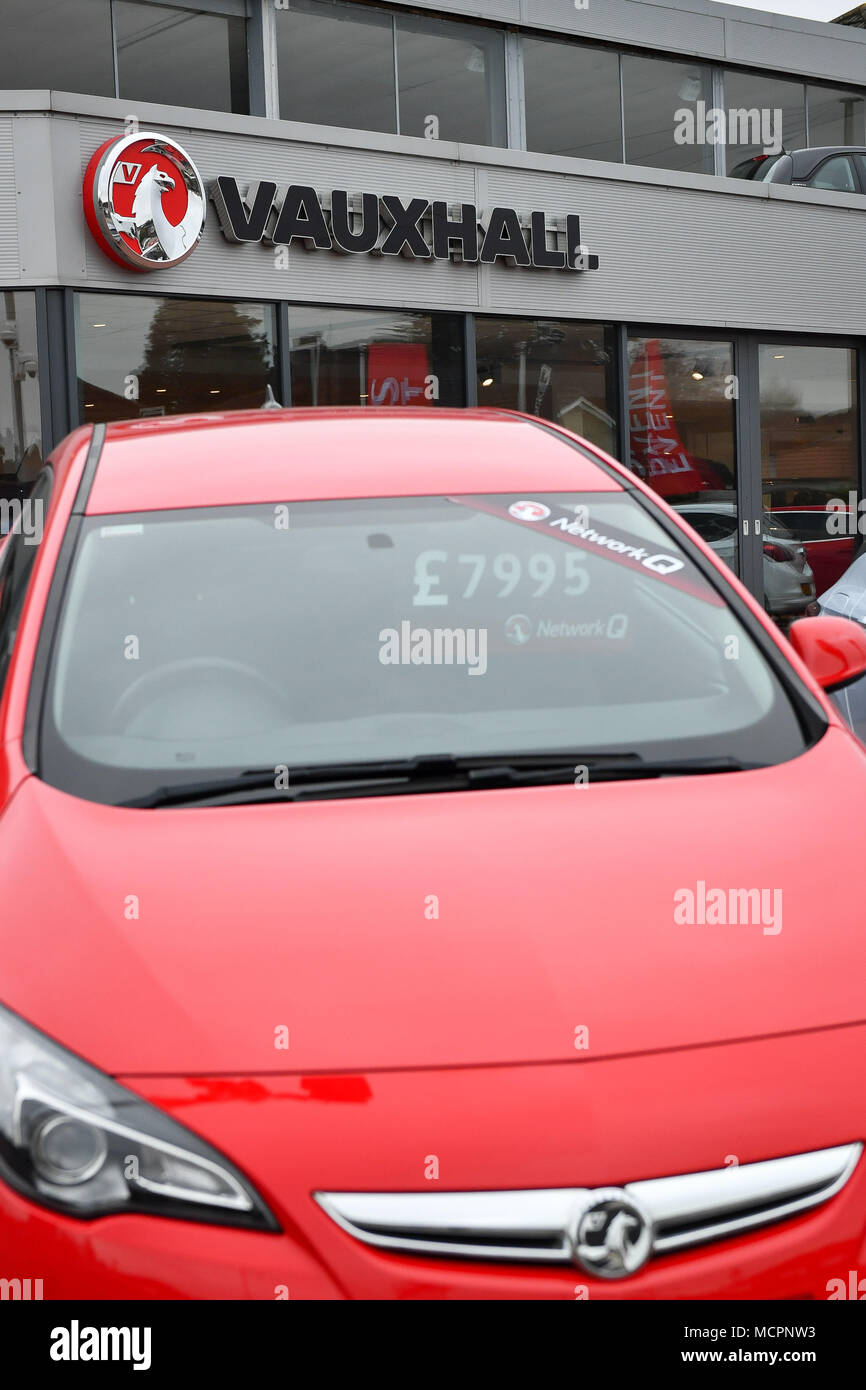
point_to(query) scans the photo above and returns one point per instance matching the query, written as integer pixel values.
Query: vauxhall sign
(145, 201)
(385, 225)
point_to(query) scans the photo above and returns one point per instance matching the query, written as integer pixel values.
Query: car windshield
(223, 639)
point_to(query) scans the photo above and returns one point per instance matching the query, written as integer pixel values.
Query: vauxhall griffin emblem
(144, 201)
(612, 1234)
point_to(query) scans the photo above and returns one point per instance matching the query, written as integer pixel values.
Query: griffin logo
(612, 1235)
(144, 201)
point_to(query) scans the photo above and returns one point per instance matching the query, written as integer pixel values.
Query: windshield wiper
(428, 773)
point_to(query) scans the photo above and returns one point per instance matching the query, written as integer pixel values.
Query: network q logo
(144, 201)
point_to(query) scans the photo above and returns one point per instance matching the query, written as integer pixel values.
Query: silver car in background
(789, 584)
(847, 599)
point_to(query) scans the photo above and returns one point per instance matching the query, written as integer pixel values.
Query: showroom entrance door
(809, 466)
(682, 426)
(754, 440)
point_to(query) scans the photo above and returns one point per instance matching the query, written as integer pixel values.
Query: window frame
(813, 85)
(218, 9)
(275, 63)
(74, 295)
(499, 86)
(545, 36)
(672, 59)
(495, 82)
(285, 338)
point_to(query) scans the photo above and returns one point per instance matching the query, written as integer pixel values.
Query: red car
(405, 890)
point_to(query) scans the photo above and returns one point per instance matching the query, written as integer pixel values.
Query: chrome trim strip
(785, 1185)
(533, 1226)
(449, 1217)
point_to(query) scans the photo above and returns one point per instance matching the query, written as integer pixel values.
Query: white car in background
(847, 597)
(789, 584)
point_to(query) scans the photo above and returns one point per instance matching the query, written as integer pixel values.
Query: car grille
(535, 1225)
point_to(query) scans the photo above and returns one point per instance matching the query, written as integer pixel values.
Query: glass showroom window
(375, 357)
(164, 53)
(62, 44)
(550, 367)
(352, 65)
(181, 57)
(336, 65)
(662, 125)
(138, 355)
(572, 100)
(450, 81)
(836, 116)
(576, 95)
(763, 112)
(682, 431)
(20, 422)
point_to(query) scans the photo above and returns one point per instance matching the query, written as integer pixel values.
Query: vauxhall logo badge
(611, 1234)
(144, 201)
(145, 204)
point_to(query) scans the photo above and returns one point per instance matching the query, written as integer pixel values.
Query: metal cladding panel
(220, 267)
(642, 22)
(840, 56)
(672, 250)
(9, 262)
(693, 256)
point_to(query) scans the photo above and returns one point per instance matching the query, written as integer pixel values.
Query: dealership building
(521, 203)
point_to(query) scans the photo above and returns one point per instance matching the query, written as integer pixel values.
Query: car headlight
(73, 1139)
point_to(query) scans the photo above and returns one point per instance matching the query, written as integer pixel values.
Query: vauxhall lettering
(405, 236)
(382, 224)
(504, 237)
(455, 236)
(243, 218)
(541, 254)
(348, 234)
(302, 218)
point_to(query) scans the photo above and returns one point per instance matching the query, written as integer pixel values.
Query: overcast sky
(806, 9)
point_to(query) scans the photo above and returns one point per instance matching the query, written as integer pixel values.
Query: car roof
(259, 456)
